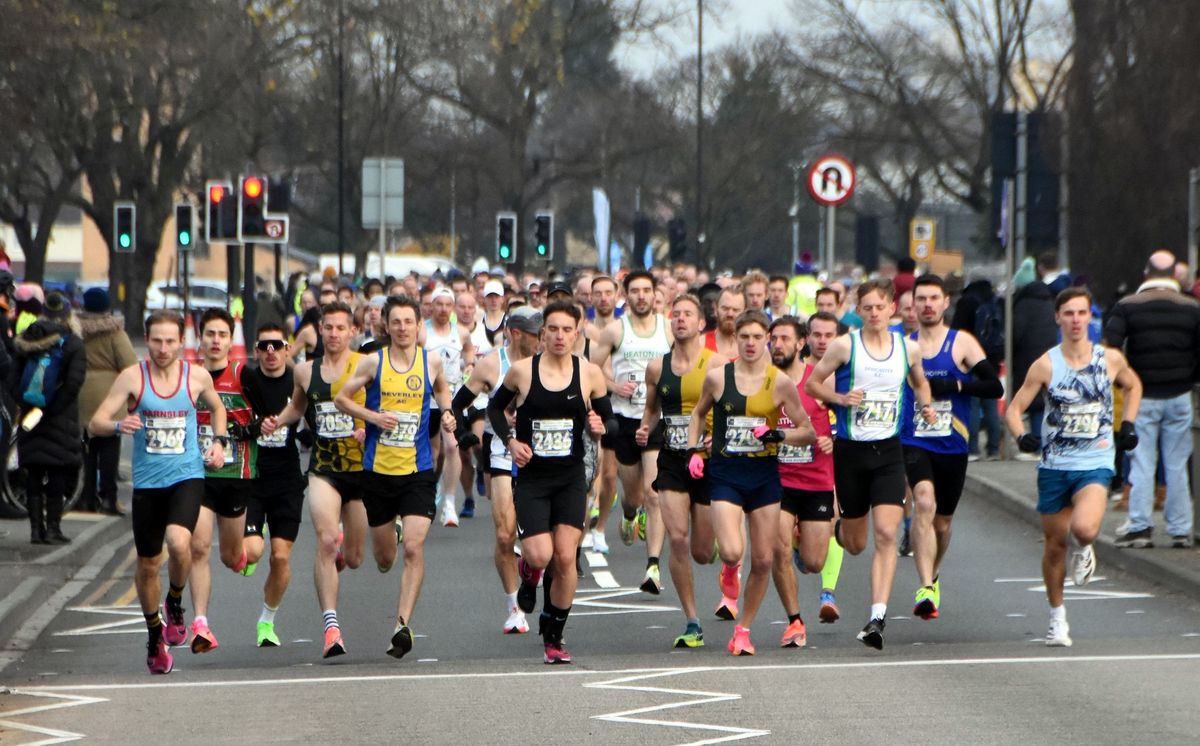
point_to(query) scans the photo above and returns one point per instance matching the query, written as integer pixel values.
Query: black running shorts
(225, 496)
(389, 495)
(947, 472)
(673, 475)
(868, 473)
(348, 484)
(808, 505)
(155, 509)
(277, 502)
(624, 445)
(544, 501)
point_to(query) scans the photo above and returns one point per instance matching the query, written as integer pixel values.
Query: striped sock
(331, 621)
(154, 622)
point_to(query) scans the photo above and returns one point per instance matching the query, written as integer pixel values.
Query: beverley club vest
(677, 397)
(166, 450)
(882, 383)
(1077, 429)
(629, 363)
(735, 416)
(241, 455)
(405, 449)
(334, 448)
(949, 434)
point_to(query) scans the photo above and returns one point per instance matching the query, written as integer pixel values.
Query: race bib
(940, 428)
(878, 410)
(277, 439)
(1081, 420)
(677, 431)
(332, 423)
(207, 439)
(552, 438)
(638, 397)
(795, 454)
(739, 435)
(166, 435)
(404, 434)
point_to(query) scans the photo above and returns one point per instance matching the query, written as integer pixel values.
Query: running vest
(166, 450)
(677, 396)
(450, 348)
(882, 383)
(630, 360)
(334, 448)
(806, 467)
(950, 433)
(240, 455)
(277, 454)
(736, 415)
(481, 339)
(405, 449)
(505, 364)
(1077, 429)
(552, 423)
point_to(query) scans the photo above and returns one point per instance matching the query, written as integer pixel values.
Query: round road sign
(274, 228)
(831, 180)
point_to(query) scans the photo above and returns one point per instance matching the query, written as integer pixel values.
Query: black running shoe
(872, 634)
(402, 642)
(527, 591)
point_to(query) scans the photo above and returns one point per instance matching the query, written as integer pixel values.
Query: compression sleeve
(462, 399)
(496, 415)
(985, 383)
(603, 407)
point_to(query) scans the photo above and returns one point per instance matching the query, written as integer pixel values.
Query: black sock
(175, 595)
(154, 623)
(795, 618)
(652, 562)
(547, 581)
(629, 516)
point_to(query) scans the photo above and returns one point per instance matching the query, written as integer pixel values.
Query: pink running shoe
(174, 628)
(203, 640)
(158, 657)
(731, 581)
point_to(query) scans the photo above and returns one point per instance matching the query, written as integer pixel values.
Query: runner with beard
(723, 340)
(603, 312)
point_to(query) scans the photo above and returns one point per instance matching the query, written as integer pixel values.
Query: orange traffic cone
(237, 352)
(191, 347)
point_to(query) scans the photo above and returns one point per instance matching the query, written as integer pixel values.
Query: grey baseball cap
(525, 319)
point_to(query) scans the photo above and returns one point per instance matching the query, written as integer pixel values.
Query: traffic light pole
(249, 294)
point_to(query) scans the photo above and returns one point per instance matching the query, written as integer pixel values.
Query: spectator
(1033, 304)
(906, 275)
(53, 447)
(1056, 278)
(109, 351)
(29, 300)
(1158, 327)
(984, 412)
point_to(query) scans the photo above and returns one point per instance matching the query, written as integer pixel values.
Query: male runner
(335, 478)
(723, 340)
(602, 312)
(155, 401)
(806, 475)
(871, 366)
(400, 382)
(604, 302)
(1078, 450)
(746, 397)
(639, 337)
(673, 386)
(228, 487)
(466, 311)
(558, 395)
(777, 304)
(452, 343)
(935, 455)
(522, 331)
(277, 499)
(754, 285)
(822, 330)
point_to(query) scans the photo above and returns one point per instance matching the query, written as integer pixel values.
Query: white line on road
(595, 559)
(605, 579)
(19, 595)
(55, 736)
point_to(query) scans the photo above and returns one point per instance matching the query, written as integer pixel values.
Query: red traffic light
(216, 194)
(252, 187)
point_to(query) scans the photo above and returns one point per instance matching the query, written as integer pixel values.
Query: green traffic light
(504, 252)
(124, 240)
(541, 249)
(185, 238)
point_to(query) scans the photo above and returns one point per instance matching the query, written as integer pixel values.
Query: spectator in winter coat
(51, 450)
(984, 412)
(1034, 332)
(109, 351)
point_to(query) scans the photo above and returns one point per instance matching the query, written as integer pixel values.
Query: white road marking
(53, 736)
(601, 601)
(1016, 615)
(605, 579)
(101, 523)
(595, 559)
(132, 622)
(1074, 593)
(19, 595)
(1135, 611)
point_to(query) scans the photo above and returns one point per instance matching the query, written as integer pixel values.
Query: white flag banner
(601, 209)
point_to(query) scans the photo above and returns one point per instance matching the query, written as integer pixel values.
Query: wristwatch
(223, 440)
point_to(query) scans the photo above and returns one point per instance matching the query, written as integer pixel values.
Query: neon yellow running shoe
(926, 605)
(249, 569)
(692, 637)
(937, 592)
(266, 635)
(641, 523)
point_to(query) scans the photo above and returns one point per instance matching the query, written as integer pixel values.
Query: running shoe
(242, 563)
(593, 513)
(798, 561)
(158, 657)
(727, 609)
(795, 636)
(579, 563)
(904, 548)
(527, 592)
(1136, 539)
(249, 569)
(740, 643)
(334, 644)
(402, 642)
(556, 654)
(468, 509)
(339, 560)
(599, 543)
(829, 609)
(652, 582)
(730, 580)
(480, 485)
(399, 531)
(1083, 565)
(628, 531)
(926, 603)
(1059, 634)
(174, 628)
(449, 517)
(640, 519)
(937, 592)
(203, 639)
(516, 624)
(266, 635)
(872, 634)
(692, 637)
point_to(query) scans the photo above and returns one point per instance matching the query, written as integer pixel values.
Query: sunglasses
(270, 345)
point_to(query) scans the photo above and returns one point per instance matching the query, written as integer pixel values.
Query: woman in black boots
(48, 368)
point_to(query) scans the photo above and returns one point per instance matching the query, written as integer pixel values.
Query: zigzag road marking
(53, 736)
(599, 600)
(731, 733)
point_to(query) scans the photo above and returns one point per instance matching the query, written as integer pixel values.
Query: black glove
(1029, 443)
(466, 439)
(771, 436)
(1127, 438)
(305, 437)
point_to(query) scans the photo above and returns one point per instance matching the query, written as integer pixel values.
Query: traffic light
(506, 235)
(185, 226)
(252, 206)
(124, 227)
(543, 235)
(677, 238)
(220, 211)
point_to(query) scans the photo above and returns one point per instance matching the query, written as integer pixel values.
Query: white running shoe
(516, 623)
(449, 516)
(1059, 634)
(1083, 565)
(599, 543)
